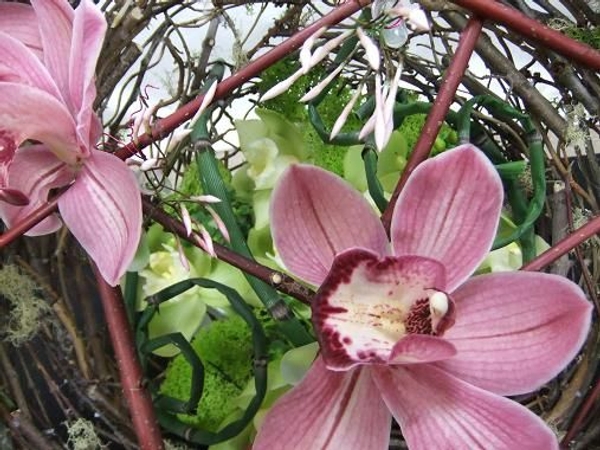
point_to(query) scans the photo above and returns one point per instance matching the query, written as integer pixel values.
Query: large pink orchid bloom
(48, 54)
(402, 331)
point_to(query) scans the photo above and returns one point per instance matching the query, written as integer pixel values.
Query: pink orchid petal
(437, 411)
(366, 303)
(19, 64)
(89, 28)
(30, 113)
(103, 211)
(327, 411)
(20, 22)
(449, 211)
(516, 331)
(420, 348)
(35, 171)
(317, 215)
(55, 21)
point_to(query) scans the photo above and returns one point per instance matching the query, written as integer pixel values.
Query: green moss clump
(412, 126)
(225, 348)
(589, 36)
(331, 157)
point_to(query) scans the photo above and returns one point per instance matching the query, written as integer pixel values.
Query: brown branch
(279, 280)
(500, 65)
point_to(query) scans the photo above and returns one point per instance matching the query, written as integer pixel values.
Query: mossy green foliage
(411, 130)
(589, 36)
(225, 348)
(330, 157)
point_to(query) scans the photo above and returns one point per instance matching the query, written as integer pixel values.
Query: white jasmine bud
(187, 220)
(209, 95)
(282, 86)
(322, 84)
(371, 50)
(305, 51)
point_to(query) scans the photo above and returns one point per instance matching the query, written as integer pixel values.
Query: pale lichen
(580, 218)
(27, 309)
(170, 445)
(577, 132)
(82, 435)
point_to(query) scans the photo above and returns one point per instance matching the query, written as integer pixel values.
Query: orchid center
(369, 307)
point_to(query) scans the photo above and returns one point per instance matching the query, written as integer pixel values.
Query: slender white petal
(205, 199)
(380, 120)
(185, 263)
(187, 220)
(320, 53)
(205, 241)
(282, 86)
(322, 84)
(371, 50)
(207, 100)
(305, 51)
(219, 222)
(178, 136)
(341, 120)
(367, 128)
(388, 111)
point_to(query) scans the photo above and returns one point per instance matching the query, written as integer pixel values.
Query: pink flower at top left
(48, 132)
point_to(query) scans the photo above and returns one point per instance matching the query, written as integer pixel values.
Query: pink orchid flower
(402, 331)
(48, 54)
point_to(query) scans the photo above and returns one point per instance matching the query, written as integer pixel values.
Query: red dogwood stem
(445, 97)
(165, 126)
(532, 29)
(139, 401)
(580, 235)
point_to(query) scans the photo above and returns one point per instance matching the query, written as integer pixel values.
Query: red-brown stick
(445, 97)
(532, 29)
(138, 399)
